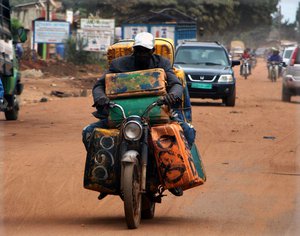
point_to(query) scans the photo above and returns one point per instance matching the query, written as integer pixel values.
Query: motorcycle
(122, 162)
(9, 72)
(245, 69)
(274, 68)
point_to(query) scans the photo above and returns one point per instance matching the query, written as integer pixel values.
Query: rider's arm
(116, 66)
(173, 83)
(99, 89)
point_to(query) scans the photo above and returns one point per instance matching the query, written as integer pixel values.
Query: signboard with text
(51, 31)
(131, 31)
(98, 34)
(163, 32)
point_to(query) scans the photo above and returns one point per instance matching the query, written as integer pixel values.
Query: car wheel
(230, 100)
(285, 95)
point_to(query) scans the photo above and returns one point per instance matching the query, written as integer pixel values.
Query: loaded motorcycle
(143, 154)
(245, 70)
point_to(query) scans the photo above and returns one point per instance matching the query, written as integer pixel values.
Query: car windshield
(201, 55)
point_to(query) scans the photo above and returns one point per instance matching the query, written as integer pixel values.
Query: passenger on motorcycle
(143, 57)
(276, 58)
(246, 55)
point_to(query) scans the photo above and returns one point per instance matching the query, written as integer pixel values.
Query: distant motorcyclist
(141, 59)
(246, 55)
(274, 57)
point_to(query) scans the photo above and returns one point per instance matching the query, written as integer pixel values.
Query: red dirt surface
(253, 185)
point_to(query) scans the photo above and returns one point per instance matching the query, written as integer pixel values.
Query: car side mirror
(235, 63)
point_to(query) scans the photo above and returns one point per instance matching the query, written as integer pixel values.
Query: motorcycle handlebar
(158, 102)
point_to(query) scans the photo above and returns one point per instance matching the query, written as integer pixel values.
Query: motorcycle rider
(143, 57)
(274, 57)
(246, 55)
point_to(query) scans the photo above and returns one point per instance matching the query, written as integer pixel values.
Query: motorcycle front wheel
(273, 76)
(12, 112)
(132, 195)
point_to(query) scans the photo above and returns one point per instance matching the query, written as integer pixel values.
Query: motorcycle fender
(130, 156)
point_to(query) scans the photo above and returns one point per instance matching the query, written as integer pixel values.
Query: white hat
(144, 39)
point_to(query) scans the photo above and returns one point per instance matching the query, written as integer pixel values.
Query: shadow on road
(106, 222)
(205, 104)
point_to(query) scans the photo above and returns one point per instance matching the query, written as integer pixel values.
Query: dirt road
(251, 155)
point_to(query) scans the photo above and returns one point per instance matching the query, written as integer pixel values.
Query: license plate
(201, 86)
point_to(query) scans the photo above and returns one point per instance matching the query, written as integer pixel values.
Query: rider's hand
(102, 106)
(170, 99)
(101, 102)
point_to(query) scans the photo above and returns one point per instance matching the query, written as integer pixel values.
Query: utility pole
(47, 18)
(48, 10)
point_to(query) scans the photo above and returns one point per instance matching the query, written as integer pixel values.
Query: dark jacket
(126, 64)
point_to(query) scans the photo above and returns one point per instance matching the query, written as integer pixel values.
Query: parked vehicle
(245, 70)
(208, 70)
(287, 53)
(9, 67)
(237, 48)
(291, 79)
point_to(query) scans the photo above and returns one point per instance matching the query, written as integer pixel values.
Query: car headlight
(225, 79)
(133, 131)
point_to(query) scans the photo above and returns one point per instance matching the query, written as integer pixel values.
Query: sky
(288, 9)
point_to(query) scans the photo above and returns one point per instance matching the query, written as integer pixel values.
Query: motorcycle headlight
(133, 131)
(225, 79)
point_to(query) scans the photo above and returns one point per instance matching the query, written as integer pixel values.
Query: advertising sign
(51, 31)
(163, 32)
(131, 31)
(95, 41)
(97, 34)
(69, 16)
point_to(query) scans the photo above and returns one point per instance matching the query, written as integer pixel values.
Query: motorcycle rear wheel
(148, 208)
(132, 195)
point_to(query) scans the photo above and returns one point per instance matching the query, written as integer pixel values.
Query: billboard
(97, 34)
(131, 31)
(163, 32)
(51, 31)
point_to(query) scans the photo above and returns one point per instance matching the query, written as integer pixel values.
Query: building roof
(167, 15)
(43, 3)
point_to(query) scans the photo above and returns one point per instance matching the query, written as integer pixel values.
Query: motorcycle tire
(273, 76)
(132, 195)
(12, 112)
(148, 208)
